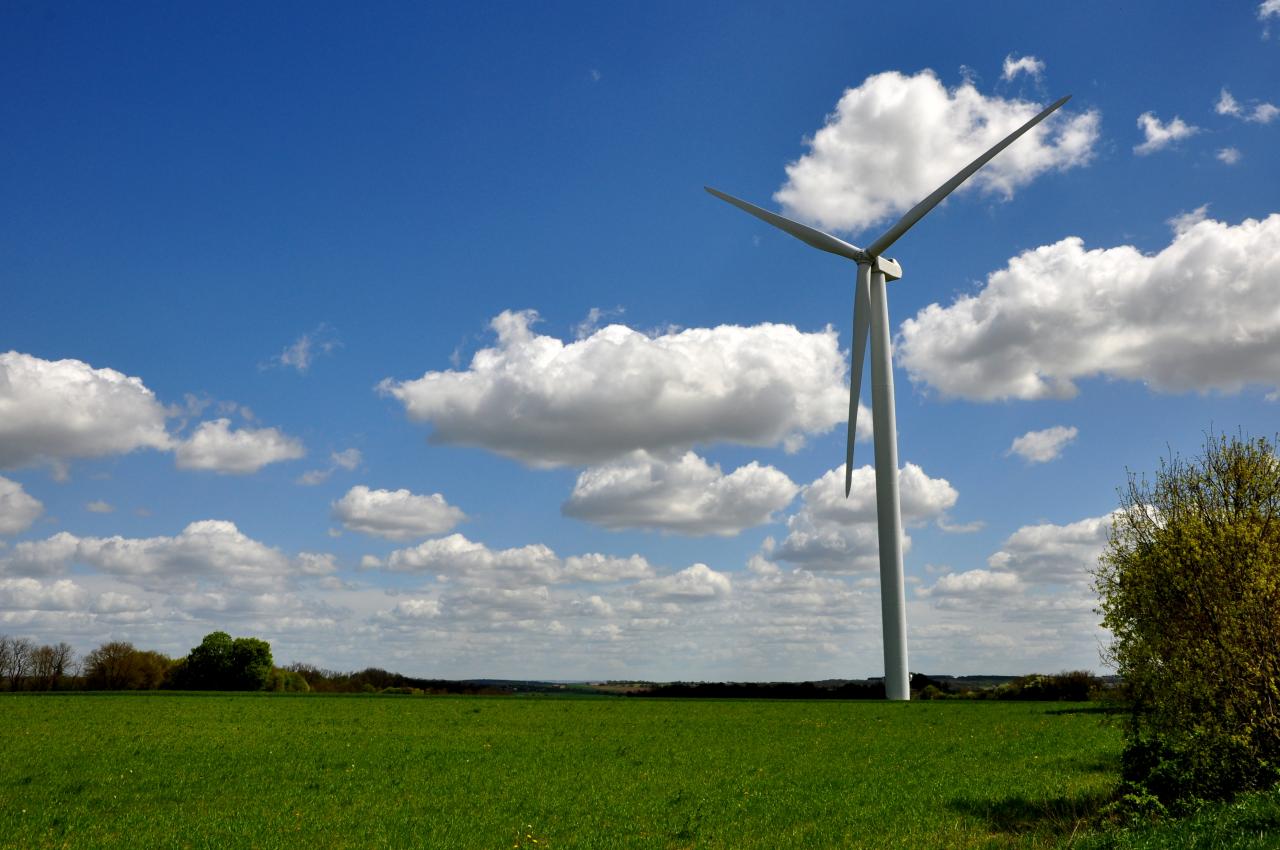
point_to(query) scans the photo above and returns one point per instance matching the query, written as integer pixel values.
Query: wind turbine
(871, 307)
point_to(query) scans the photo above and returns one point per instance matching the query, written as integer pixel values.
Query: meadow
(264, 771)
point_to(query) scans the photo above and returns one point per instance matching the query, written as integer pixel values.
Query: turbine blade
(922, 209)
(808, 235)
(861, 321)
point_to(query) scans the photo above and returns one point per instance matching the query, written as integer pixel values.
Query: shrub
(1190, 589)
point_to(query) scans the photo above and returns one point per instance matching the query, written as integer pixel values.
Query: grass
(1250, 823)
(265, 771)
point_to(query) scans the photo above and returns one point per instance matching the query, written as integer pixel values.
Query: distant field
(265, 771)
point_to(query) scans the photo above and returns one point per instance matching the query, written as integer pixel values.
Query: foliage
(118, 665)
(1251, 822)
(1190, 589)
(221, 663)
(373, 680)
(277, 770)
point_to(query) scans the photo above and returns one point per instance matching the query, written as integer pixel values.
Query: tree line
(219, 663)
(1073, 686)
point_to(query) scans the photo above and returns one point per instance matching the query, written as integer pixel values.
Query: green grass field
(163, 770)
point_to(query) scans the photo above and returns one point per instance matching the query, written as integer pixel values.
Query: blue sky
(408, 337)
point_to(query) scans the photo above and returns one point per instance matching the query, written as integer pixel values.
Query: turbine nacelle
(888, 267)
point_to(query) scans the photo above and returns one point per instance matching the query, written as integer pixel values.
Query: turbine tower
(870, 307)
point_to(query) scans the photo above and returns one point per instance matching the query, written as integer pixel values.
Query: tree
(220, 663)
(49, 665)
(118, 665)
(250, 664)
(1190, 589)
(208, 666)
(15, 660)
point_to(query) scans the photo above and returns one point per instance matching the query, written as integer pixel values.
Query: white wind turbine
(870, 306)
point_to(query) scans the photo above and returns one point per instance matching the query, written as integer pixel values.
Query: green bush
(1190, 589)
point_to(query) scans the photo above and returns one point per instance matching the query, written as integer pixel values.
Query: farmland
(165, 770)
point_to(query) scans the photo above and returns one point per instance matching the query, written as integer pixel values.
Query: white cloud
(1268, 9)
(54, 410)
(215, 447)
(316, 563)
(395, 514)
(347, 459)
(1043, 446)
(685, 495)
(497, 604)
(112, 602)
(1054, 553)
(98, 506)
(17, 594)
(1261, 113)
(303, 351)
(40, 557)
(698, 583)
(457, 557)
(547, 402)
(988, 584)
(1227, 104)
(18, 508)
(1157, 136)
(416, 609)
(205, 551)
(1228, 156)
(604, 568)
(895, 138)
(1029, 65)
(1202, 314)
(835, 534)
(591, 323)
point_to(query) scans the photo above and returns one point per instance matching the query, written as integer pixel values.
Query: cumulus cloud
(414, 609)
(1157, 135)
(1228, 156)
(595, 567)
(205, 551)
(973, 584)
(214, 446)
(54, 410)
(546, 402)
(1059, 554)
(395, 514)
(1259, 113)
(1201, 314)
(1029, 65)
(18, 509)
(833, 534)
(698, 583)
(18, 594)
(682, 494)
(1043, 446)
(895, 138)
(98, 506)
(40, 557)
(457, 557)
